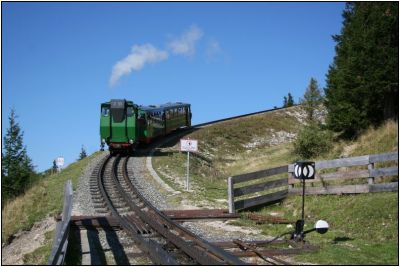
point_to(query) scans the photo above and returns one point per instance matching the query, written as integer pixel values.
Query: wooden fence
(60, 242)
(255, 188)
(263, 196)
(370, 173)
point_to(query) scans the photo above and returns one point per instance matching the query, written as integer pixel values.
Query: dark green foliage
(17, 170)
(312, 141)
(83, 154)
(54, 168)
(288, 101)
(312, 99)
(362, 82)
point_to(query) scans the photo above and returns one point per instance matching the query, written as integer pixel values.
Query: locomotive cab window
(129, 111)
(105, 111)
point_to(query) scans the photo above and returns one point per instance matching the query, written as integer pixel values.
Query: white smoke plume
(140, 56)
(185, 44)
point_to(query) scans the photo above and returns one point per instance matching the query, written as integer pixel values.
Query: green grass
(363, 228)
(361, 231)
(224, 153)
(42, 200)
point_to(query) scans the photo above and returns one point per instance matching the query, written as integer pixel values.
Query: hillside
(232, 147)
(363, 227)
(362, 231)
(30, 215)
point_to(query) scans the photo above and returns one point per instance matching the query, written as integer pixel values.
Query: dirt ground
(25, 242)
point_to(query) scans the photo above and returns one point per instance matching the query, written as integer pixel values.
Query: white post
(230, 196)
(187, 172)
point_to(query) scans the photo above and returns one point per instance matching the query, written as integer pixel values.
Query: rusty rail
(144, 218)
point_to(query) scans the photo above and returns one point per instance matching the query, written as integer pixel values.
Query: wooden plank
(343, 162)
(384, 157)
(384, 171)
(259, 187)
(250, 202)
(344, 189)
(344, 175)
(387, 187)
(335, 176)
(259, 174)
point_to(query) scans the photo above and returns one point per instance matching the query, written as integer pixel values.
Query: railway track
(160, 238)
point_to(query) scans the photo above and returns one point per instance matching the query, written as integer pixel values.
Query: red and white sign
(60, 162)
(188, 145)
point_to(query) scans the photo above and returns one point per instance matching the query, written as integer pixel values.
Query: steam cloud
(140, 56)
(185, 45)
(145, 54)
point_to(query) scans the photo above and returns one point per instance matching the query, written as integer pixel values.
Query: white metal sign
(60, 162)
(188, 145)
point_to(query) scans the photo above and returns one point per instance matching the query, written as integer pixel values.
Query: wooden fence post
(371, 166)
(60, 241)
(230, 196)
(290, 176)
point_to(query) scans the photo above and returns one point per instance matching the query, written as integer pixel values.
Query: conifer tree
(312, 99)
(285, 102)
(17, 167)
(54, 168)
(290, 101)
(83, 154)
(362, 83)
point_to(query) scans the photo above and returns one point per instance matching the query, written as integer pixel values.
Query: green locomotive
(124, 124)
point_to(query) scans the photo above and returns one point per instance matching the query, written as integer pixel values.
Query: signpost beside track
(59, 163)
(188, 145)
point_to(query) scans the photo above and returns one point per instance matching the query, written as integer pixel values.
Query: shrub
(312, 141)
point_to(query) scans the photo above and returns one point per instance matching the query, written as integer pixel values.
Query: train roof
(117, 100)
(163, 106)
(151, 107)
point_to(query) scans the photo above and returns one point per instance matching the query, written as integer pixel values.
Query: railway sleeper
(100, 205)
(97, 196)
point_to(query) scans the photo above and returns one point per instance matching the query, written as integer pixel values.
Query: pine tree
(312, 99)
(285, 102)
(83, 154)
(362, 83)
(17, 168)
(312, 140)
(290, 101)
(54, 168)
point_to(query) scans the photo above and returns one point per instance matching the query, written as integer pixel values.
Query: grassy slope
(363, 227)
(42, 200)
(224, 147)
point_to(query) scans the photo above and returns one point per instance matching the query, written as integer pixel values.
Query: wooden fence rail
(371, 173)
(253, 188)
(60, 242)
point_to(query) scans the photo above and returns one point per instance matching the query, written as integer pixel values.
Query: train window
(129, 111)
(105, 111)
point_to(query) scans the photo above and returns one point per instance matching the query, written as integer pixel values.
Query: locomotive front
(118, 125)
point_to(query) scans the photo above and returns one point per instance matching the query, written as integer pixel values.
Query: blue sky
(61, 60)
